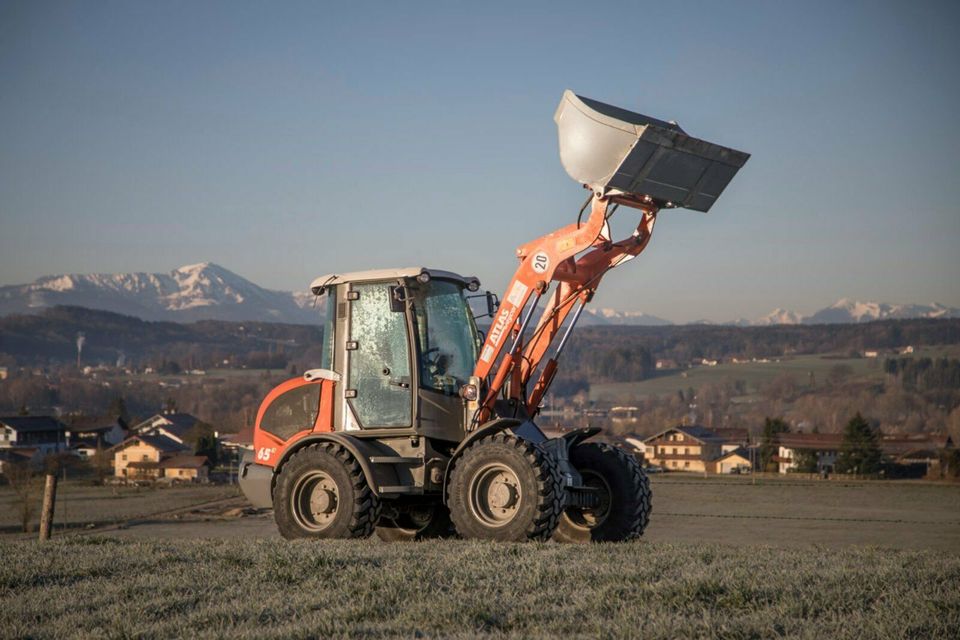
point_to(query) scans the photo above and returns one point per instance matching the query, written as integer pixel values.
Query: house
(88, 434)
(139, 457)
(683, 448)
(184, 468)
(916, 455)
(733, 461)
(44, 433)
(171, 425)
(823, 446)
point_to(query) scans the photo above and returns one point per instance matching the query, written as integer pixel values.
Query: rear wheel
(418, 522)
(505, 488)
(321, 492)
(623, 491)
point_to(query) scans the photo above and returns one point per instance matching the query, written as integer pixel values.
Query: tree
(772, 427)
(805, 461)
(26, 489)
(202, 436)
(860, 452)
(118, 409)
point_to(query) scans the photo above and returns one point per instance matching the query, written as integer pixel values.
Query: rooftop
(24, 424)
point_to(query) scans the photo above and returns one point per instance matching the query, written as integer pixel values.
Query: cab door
(378, 387)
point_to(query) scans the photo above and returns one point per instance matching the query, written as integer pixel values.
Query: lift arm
(553, 257)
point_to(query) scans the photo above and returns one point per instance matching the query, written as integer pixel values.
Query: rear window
(292, 411)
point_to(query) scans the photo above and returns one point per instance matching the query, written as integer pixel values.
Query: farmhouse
(183, 468)
(46, 434)
(683, 448)
(88, 434)
(696, 448)
(734, 461)
(917, 455)
(171, 425)
(822, 446)
(139, 457)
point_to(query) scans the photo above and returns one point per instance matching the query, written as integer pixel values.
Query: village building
(183, 468)
(736, 460)
(698, 449)
(918, 455)
(914, 456)
(683, 448)
(89, 434)
(46, 434)
(142, 457)
(823, 446)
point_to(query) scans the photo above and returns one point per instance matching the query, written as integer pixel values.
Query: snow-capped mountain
(595, 317)
(207, 291)
(204, 291)
(846, 310)
(778, 316)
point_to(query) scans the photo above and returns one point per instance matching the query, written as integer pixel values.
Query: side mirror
(493, 303)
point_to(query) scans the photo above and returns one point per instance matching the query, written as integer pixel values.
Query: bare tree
(26, 488)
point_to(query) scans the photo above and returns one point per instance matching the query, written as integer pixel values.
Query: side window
(293, 411)
(379, 370)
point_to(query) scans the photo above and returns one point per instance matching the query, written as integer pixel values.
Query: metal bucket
(614, 150)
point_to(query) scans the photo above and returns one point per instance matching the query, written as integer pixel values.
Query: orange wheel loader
(414, 424)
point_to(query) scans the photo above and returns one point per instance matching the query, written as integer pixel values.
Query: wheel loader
(414, 424)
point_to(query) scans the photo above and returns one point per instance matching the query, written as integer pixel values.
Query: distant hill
(50, 336)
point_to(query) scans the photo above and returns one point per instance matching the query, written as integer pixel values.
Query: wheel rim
(495, 495)
(594, 517)
(315, 500)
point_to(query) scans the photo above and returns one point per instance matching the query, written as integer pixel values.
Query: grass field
(80, 504)
(722, 557)
(274, 589)
(754, 374)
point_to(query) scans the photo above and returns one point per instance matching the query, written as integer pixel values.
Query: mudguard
(252, 474)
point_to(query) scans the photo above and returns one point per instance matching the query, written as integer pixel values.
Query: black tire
(421, 522)
(321, 492)
(505, 488)
(626, 500)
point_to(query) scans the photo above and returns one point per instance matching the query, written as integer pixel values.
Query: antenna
(80, 340)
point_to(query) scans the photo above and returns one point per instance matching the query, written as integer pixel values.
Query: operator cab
(403, 343)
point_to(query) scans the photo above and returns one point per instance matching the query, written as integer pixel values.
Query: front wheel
(321, 492)
(505, 488)
(624, 496)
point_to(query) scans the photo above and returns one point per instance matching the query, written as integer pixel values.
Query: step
(395, 460)
(401, 489)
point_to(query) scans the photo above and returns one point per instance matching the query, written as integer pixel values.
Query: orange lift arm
(553, 257)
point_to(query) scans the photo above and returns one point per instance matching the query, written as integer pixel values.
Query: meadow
(267, 588)
(754, 374)
(81, 504)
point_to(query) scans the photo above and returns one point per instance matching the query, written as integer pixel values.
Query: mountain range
(207, 291)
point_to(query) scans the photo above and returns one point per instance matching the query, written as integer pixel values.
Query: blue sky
(287, 140)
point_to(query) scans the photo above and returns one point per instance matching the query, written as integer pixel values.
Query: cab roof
(331, 279)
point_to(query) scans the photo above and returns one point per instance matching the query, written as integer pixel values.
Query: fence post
(49, 501)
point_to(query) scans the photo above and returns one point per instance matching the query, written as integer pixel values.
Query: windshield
(446, 333)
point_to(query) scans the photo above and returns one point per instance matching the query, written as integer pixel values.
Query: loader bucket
(614, 150)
